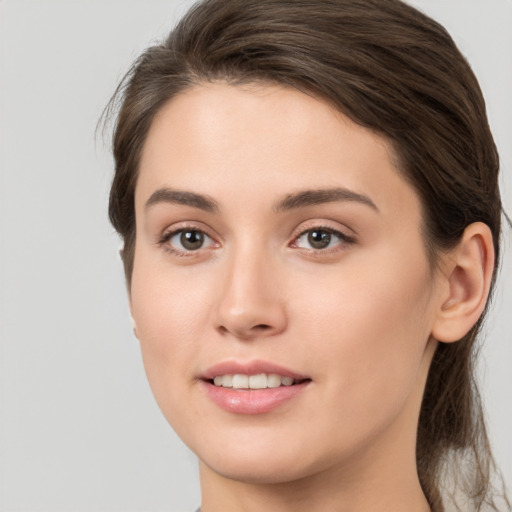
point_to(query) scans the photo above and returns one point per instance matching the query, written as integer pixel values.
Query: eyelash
(169, 235)
(344, 240)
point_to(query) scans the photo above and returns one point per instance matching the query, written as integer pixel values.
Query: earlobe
(134, 325)
(468, 273)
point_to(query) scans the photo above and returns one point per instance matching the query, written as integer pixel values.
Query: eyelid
(167, 234)
(345, 238)
(327, 225)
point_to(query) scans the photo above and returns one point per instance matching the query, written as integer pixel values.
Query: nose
(252, 303)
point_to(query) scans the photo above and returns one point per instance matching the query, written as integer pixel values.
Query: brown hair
(393, 70)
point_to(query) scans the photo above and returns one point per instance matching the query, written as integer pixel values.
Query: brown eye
(319, 238)
(191, 240)
(185, 241)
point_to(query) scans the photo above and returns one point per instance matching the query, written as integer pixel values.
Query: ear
(134, 327)
(134, 324)
(467, 271)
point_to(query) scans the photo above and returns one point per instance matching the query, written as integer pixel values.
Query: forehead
(218, 138)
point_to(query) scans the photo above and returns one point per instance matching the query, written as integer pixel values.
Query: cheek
(171, 313)
(370, 328)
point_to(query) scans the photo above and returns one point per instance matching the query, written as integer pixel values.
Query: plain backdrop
(79, 429)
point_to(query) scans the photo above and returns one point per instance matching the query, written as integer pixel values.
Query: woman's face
(276, 241)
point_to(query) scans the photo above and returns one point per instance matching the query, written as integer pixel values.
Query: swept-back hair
(394, 71)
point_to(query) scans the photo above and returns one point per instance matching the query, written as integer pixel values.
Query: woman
(308, 197)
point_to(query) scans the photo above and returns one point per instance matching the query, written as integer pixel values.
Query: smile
(252, 387)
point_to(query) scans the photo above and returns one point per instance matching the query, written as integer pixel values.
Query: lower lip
(252, 401)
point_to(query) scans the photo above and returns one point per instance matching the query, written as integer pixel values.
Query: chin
(263, 460)
(256, 471)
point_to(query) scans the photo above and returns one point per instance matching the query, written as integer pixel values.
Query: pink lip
(254, 401)
(249, 368)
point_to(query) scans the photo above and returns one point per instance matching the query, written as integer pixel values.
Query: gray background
(79, 429)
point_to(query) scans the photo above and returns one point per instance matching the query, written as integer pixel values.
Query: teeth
(273, 380)
(286, 381)
(259, 381)
(240, 381)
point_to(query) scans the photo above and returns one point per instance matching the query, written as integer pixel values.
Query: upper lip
(253, 367)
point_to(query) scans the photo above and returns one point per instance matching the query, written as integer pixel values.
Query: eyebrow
(296, 200)
(321, 196)
(168, 195)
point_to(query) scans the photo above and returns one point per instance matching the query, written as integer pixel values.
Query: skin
(357, 318)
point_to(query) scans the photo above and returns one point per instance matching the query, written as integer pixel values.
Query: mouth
(255, 387)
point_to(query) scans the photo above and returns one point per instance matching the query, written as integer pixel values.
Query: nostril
(262, 327)
(250, 332)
